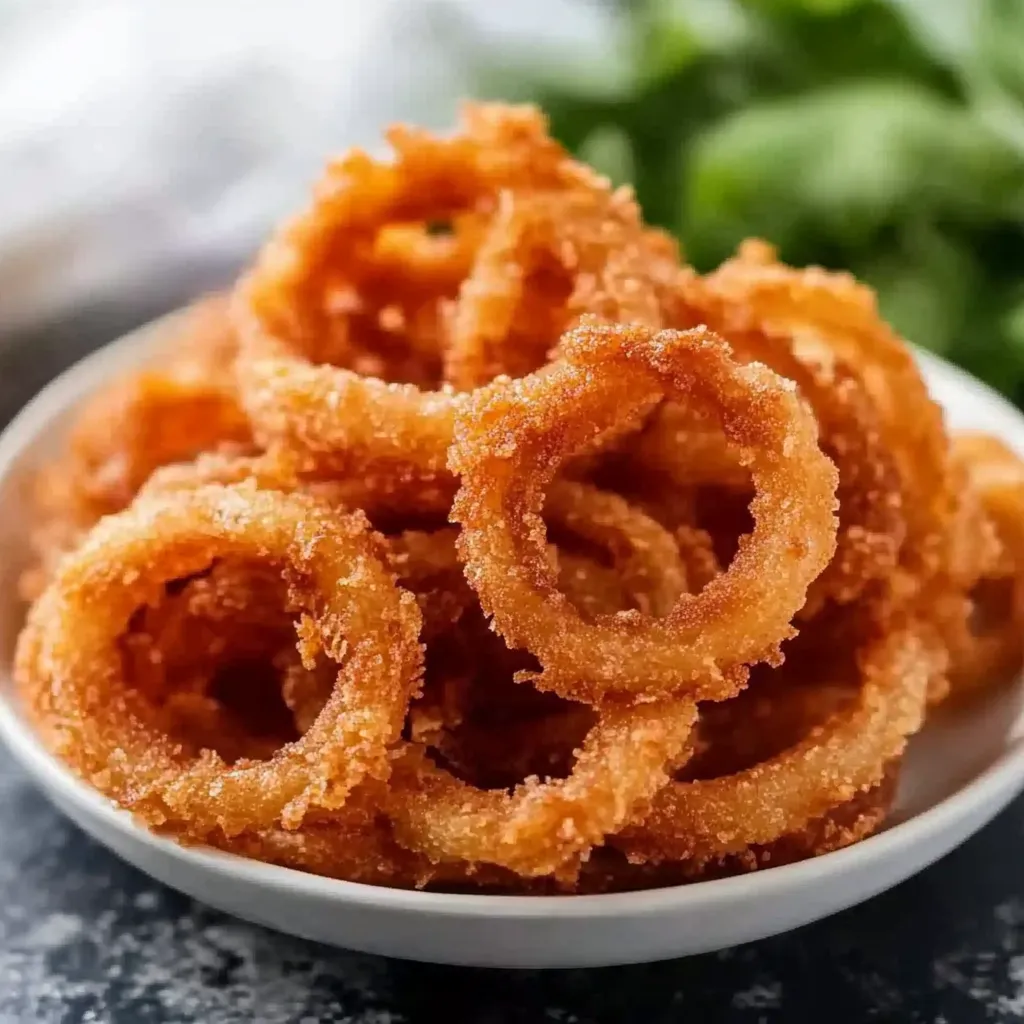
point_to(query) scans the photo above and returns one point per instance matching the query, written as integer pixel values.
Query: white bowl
(960, 772)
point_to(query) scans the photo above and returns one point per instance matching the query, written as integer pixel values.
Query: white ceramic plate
(959, 773)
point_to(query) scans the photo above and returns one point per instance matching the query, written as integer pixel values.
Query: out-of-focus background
(146, 147)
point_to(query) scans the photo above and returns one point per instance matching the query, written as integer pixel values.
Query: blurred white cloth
(142, 141)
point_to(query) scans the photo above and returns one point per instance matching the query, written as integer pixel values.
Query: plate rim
(992, 788)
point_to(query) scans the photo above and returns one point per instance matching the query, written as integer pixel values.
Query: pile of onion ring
(475, 542)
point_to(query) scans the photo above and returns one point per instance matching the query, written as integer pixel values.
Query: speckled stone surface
(85, 938)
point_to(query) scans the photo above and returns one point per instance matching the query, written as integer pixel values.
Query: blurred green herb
(883, 136)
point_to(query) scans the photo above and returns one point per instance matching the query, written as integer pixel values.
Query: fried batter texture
(474, 542)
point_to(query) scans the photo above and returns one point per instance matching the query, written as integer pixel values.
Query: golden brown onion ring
(509, 443)
(547, 259)
(179, 405)
(297, 378)
(988, 647)
(713, 818)
(110, 733)
(821, 315)
(872, 522)
(542, 827)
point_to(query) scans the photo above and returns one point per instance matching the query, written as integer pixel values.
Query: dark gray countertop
(85, 938)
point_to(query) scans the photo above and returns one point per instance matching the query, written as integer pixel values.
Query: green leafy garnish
(882, 136)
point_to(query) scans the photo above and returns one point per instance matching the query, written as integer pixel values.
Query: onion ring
(988, 646)
(609, 870)
(107, 730)
(509, 442)
(872, 521)
(180, 405)
(380, 496)
(549, 258)
(332, 413)
(830, 315)
(542, 827)
(714, 818)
